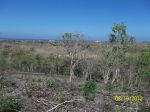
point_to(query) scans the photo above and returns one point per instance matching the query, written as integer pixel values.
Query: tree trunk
(106, 76)
(116, 75)
(72, 67)
(85, 75)
(71, 74)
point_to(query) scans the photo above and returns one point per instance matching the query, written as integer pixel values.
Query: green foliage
(3, 64)
(119, 34)
(24, 62)
(29, 62)
(10, 105)
(145, 58)
(78, 70)
(2, 93)
(90, 90)
(109, 87)
(60, 97)
(6, 51)
(50, 82)
(28, 92)
(64, 67)
(145, 107)
(97, 74)
(144, 64)
(50, 64)
(107, 107)
(71, 36)
(53, 43)
(28, 59)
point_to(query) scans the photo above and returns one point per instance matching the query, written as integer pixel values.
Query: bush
(28, 92)
(144, 64)
(90, 90)
(60, 97)
(3, 64)
(108, 108)
(10, 105)
(78, 70)
(50, 82)
(97, 75)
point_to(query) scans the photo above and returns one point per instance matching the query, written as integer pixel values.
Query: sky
(49, 19)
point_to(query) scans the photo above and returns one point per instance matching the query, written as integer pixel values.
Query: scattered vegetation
(44, 72)
(50, 82)
(90, 90)
(10, 105)
(60, 96)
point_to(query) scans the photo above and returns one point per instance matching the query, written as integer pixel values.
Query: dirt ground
(36, 96)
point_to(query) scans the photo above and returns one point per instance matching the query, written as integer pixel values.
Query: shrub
(97, 74)
(60, 97)
(3, 64)
(108, 108)
(90, 90)
(78, 70)
(144, 64)
(10, 105)
(28, 92)
(50, 82)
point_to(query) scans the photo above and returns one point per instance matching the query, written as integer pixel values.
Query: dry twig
(75, 100)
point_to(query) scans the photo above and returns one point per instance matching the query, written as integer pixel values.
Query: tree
(90, 65)
(115, 57)
(132, 40)
(72, 45)
(119, 34)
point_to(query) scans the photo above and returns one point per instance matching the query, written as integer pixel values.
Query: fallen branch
(43, 102)
(75, 100)
(33, 73)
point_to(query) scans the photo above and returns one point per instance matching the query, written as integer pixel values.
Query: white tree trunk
(106, 76)
(72, 67)
(115, 75)
(71, 74)
(85, 75)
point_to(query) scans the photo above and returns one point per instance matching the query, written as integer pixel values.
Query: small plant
(50, 82)
(60, 97)
(109, 87)
(10, 105)
(28, 92)
(90, 90)
(108, 108)
(2, 93)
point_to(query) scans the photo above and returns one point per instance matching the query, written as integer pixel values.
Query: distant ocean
(90, 39)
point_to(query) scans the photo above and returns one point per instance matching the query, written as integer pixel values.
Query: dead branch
(45, 102)
(75, 100)
(42, 102)
(33, 73)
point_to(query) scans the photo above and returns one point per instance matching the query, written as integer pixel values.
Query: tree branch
(75, 100)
